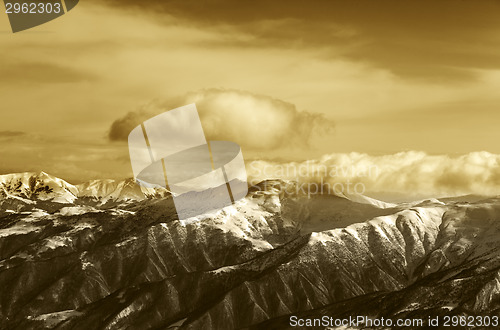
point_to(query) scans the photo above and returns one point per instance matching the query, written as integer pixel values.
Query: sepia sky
(286, 80)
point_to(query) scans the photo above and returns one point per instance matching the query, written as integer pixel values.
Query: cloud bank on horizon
(410, 173)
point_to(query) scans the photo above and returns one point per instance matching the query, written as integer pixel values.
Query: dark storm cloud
(417, 39)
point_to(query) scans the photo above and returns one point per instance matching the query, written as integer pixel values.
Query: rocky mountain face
(110, 255)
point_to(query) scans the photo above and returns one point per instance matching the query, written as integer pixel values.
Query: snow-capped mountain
(250, 265)
(42, 186)
(128, 189)
(45, 187)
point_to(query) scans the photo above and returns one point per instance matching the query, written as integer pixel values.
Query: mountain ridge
(43, 186)
(249, 265)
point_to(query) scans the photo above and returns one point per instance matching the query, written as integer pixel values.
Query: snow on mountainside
(45, 187)
(118, 190)
(249, 265)
(41, 186)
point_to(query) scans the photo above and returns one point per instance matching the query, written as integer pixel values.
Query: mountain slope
(41, 186)
(252, 264)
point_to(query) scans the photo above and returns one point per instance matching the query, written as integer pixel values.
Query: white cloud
(256, 122)
(410, 173)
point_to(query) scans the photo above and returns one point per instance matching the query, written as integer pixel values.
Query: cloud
(11, 134)
(121, 127)
(412, 39)
(256, 122)
(409, 173)
(20, 72)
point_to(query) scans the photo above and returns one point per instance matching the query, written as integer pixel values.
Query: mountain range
(113, 255)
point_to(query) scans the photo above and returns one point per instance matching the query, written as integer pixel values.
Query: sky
(287, 81)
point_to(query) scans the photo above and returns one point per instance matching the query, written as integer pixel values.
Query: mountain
(128, 189)
(41, 186)
(254, 264)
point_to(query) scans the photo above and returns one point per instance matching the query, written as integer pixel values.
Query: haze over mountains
(109, 254)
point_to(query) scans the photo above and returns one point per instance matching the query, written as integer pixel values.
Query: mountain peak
(44, 186)
(41, 185)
